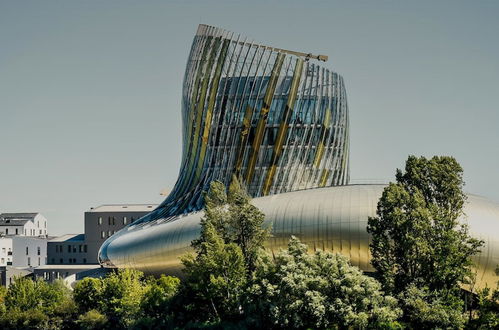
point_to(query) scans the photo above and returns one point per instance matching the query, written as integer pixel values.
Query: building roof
(68, 238)
(123, 208)
(18, 215)
(16, 219)
(13, 222)
(67, 266)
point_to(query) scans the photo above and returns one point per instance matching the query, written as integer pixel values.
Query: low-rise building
(67, 249)
(103, 221)
(23, 224)
(20, 255)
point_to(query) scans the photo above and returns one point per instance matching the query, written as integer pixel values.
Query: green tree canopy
(420, 249)
(319, 291)
(416, 235)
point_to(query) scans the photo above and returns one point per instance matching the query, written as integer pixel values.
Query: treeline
(421, 253)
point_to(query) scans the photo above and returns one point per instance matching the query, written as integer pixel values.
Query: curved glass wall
(269, 116)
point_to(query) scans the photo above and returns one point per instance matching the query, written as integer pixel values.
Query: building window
(27, 250)
(17, 231)
(40, 232)
(100, 221)
(84, 260)
(69, 248)
(38, 261)
(85, 248)
(24, 232)
(124, 220)
(102, 234)
(80, 248)
(61, 261)
(114, 220)
(3, 260)
(29, 261)
(109, 221)
(53, 260)
(6, 231)
(132, 219)
(108, 233)
(38, 251)
(3, 250)
(74, 248)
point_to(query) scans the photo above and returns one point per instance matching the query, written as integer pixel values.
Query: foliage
(298, 290)
(215, 278)
(245, 224)
(231, 236)
(123, 291)
(416, 235)
(93, 319)
(37, 304)
(487, 311)
(419, 248)
(425, 309)
(235, 219)
(158, 295)
(122, 298)
(87, 294)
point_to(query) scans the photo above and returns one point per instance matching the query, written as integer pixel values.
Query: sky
(90, 90)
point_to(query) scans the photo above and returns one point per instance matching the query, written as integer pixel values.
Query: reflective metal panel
(332, 219)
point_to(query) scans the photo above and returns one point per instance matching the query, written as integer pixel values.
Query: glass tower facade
(273, 118)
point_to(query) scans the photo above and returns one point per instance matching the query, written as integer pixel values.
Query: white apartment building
(22, 251)
(23, 224)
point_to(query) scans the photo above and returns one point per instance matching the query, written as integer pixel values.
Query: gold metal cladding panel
(283, 127)
(332, 218)
(200, 110)
(191, 115)
(211, 104)
(260, 128)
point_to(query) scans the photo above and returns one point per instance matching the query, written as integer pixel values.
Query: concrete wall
(101, 225)
(5, 251)
(28, 251)
(67, 252)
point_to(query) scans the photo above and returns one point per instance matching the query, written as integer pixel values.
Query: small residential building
(20, 255)
(23, 224)
(103, 221)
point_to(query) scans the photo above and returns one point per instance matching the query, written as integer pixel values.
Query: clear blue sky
(90, 90)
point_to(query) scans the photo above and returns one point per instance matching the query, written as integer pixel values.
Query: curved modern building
(279, 121)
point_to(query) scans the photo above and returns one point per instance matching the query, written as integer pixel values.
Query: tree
(426, 309)
(87, 294)
(155, 304)
(298, 290)
(231, 235)
(37, 304)
(418, 244)
(487, 311)
(246, 221)
(215, 279)
(235, 219)
(122, 292)
(92, 320)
